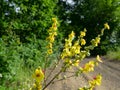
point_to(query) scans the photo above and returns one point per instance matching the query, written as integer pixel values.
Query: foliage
(91, 14)
(26, 17)
(19, 59)
(21, 24)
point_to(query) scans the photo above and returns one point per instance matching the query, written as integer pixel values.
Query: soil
(110, 70)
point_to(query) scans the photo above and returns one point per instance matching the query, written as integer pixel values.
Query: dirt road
(109, 69)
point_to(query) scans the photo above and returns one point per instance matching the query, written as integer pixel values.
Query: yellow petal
(99, 59)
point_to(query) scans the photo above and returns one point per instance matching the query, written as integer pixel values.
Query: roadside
(109, 69)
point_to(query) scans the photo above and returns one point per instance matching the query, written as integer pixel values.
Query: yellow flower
(97, 40)
(39, 87)
(54, 26)
(96, 81)
(81, 89)
(76, 63)
(106, 26)
(34, 85)
(68, 43)
(99, 59)
(72, 35)
(83, 42)
(51, 38)
(82, 34)
(54, 33)
(50, 51)
(88, 66)
(77, 50)
(68, 61)
(49, 46)
(76, 43)
(38, 75)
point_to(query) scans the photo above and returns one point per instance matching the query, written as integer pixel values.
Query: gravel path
(109, 69)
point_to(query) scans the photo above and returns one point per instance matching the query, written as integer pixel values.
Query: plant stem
(64, 78)
(53, 69)
(51, 80)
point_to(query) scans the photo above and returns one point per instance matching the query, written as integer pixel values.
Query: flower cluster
(52, 33)
(88, 67)
(92, 83)
(96, 41)
(73, 49)
(96, 81)
(68, 45)
(39, 77)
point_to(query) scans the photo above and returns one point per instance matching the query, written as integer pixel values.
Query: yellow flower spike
(99, 59)
(38, 75)
(106, 26)
(51, 38)
(83, 42)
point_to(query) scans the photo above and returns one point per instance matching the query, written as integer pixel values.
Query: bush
(18, 60)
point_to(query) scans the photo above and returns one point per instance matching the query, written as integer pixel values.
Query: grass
(114, 55)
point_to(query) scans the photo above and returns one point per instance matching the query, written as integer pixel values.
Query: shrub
(18, 60)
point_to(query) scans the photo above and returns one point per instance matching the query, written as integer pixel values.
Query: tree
(90, 14)
(26, 17)
(22, 21)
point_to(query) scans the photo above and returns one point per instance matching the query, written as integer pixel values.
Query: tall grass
(114, 54)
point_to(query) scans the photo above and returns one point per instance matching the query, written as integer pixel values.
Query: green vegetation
(23, 32)
(18, 61)
(91, 14)
(26, 17)
(114, 54)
